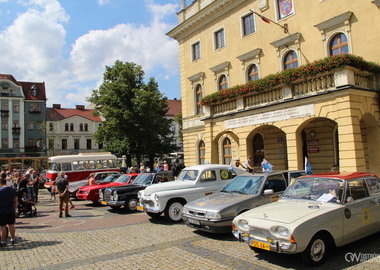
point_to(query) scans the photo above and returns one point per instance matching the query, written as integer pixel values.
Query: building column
(295, 159)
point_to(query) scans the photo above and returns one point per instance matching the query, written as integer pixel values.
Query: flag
(267, 167)
(265, 19)
(307, 166)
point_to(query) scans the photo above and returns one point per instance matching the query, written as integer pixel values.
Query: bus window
(111, 163)
(104, 163)
(66, 166)
(55, 167)
(78, 165)
(91, 164)
(99, 164)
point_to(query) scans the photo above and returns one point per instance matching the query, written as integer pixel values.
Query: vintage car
(214, 213)
(91, 192)
(126, 196)
(192, 183)
(99, 176)
(314, 214)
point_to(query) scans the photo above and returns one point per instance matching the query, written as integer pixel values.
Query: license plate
(193, 221)
(140, 208)
(258, 244)
(103, 202)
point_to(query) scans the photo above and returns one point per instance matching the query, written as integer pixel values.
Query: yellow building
(241, 95)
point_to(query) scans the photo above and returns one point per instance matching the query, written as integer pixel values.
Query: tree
(134, 113)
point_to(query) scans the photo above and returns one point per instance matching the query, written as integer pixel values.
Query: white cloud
(33, 48)
(103, 2)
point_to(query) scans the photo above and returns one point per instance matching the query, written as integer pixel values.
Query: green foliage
(134, 113)
(290, 75)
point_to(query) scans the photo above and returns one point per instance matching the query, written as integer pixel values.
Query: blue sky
(68, 43)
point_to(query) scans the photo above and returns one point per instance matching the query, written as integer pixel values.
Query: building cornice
(287, 40)
(334, 21)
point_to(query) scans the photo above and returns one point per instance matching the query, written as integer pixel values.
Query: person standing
(249, 165)
(91, 179)
(63, 193)
(8, 205)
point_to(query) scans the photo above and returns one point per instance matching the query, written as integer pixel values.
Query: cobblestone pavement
(97, 238)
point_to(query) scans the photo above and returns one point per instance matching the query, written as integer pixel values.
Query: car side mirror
(268, 191)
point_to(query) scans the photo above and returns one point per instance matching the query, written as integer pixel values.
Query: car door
(373, 184)
(277, 183)
(359, 213)
(207, 183)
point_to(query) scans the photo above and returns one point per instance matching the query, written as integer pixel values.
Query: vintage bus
(79, 167)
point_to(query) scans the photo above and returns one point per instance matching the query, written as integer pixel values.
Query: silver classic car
(314, 214)
(214, 213)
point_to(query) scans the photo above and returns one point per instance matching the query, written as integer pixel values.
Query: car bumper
(278, 246)
(81, 196)
(208, 225)
(112, 203)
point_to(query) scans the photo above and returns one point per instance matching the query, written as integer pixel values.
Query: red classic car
(91, 192)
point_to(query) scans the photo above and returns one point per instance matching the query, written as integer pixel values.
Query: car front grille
(259, 232)
(107, 195)
(197, 213)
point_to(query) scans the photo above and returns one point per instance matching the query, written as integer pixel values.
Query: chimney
(183, 4)
(56, 106)
(79, 107)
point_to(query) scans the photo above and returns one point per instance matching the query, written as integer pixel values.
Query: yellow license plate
(103, 202)
(261, 245)
(140, 208)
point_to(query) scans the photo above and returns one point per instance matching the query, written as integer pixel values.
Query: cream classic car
(315, 213)
(192, 183)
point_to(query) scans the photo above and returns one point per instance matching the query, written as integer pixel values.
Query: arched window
(338, 45)
(222, 82)
(290, 60)
(85, 127)
(71, 127)
(253, 73)
(198, 98)
(227, 151)
(201, 152)
(80, 127)
(66, 127)
(51, 127)
(258, 149)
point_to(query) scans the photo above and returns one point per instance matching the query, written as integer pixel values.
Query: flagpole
(285, 26)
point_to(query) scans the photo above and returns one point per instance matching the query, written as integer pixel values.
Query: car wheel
(154, 215)
(317, 251)
(173, 211)
(115, 206)
(131, 204)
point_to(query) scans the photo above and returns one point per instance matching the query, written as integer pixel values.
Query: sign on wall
(269, 117)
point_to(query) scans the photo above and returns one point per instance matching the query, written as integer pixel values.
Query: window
(71, 127)
(12, 92)
(51, 127)
(201, 152)
(16, 143)
(338, 45)
(4, 91)
(16, 123)
(357, 189)
(76, 144)
(51, 143)
(80, 127)
(227, 151)
(100, 145)
(373, 185)
(198, 98)
(253, 73)
(85, 127)
(222, 82)
(89, 144)
(290, 60)
(4, 125)
(66, 127)
(66, 166)
(35, 107)
(208, 176)
(16, 107)
(30, 142)
(196, 50)
(30, 125)
(4, 143)
(275, 182)
(39, 125)
(219, 39)
(285, 8)
(64, 144)
(248, 24)
(4, 106)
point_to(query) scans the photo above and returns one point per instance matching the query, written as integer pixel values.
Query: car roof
(342, 175)
(207, 166)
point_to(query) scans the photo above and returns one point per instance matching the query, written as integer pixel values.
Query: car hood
(287, 212)
(174, 185)
(125, 187)
(93, 187)
(218, 201)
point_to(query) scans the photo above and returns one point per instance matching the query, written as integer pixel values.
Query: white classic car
(192, 183)
(314, 214)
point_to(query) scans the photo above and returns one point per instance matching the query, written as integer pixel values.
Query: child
(53, 190)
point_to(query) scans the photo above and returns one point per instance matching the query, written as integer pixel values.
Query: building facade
(70, 131)
(23, 107)
(243, 93)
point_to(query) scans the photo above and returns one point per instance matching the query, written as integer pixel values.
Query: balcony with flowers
(322, 76)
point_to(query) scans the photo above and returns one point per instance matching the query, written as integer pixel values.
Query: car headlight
(185, 211)
(213, 215)
(280, 231)
(100, 194)
(156, 197)
(115, 196)
(87, 192)
(139, 194)
(243, 224)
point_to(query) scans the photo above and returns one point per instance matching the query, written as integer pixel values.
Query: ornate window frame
(289, 43)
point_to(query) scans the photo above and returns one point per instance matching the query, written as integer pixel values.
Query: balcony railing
(306, 87)
(4, 113)
(16, 130)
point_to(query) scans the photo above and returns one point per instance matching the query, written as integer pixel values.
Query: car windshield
(316, 189)
(188, 175)
(123, 178)
(109, 178)
(244, 185)
(143, 179)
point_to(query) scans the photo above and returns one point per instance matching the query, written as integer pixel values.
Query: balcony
(4, 113)
(16, 130)
(323, 83)
(4, 94)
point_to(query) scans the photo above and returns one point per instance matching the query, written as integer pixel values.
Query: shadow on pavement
(216, 236)
(23, 244)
